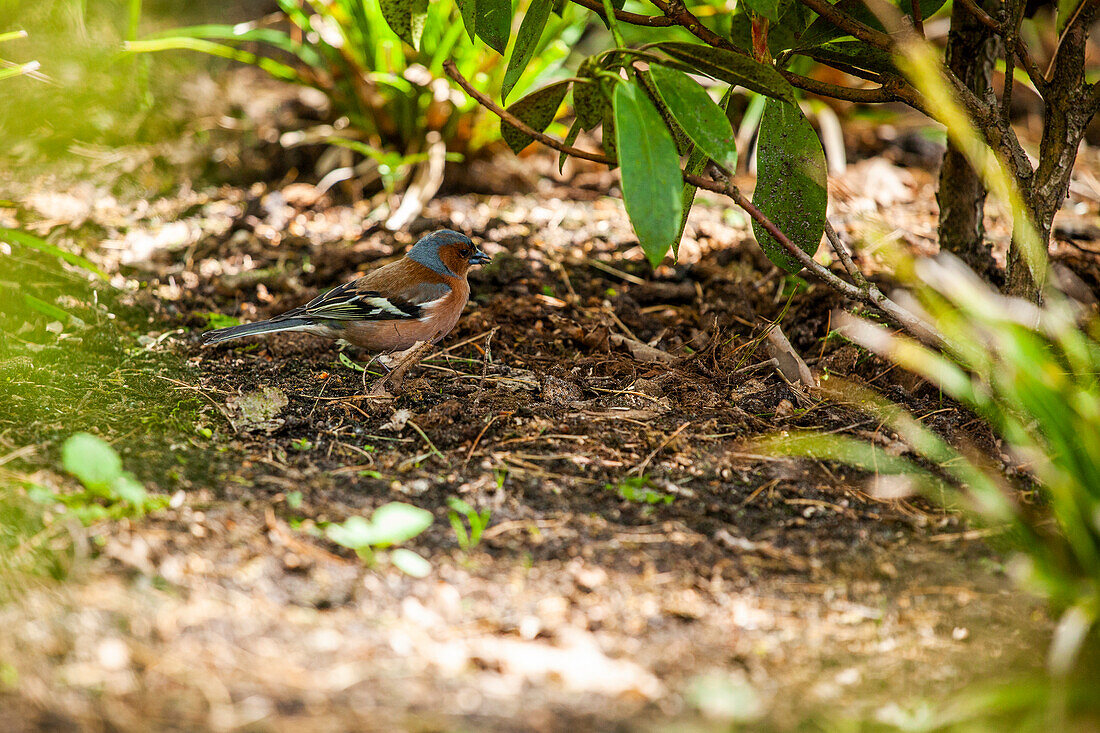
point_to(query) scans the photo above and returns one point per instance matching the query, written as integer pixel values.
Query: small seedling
(391, 524)
(637, 489)
(478, 521)
(109, 491)
(301, 444)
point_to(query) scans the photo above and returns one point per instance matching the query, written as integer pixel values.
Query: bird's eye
(465, 253)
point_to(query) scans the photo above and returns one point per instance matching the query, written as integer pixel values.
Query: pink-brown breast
(437, 320)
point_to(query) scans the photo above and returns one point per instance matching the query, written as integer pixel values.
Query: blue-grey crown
(426, 251)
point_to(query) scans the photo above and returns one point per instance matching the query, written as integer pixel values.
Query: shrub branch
(863, 291)
(652, 21)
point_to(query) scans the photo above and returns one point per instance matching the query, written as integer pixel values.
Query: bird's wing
(356, 301)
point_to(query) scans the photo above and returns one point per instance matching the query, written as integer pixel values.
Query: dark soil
(781, 584)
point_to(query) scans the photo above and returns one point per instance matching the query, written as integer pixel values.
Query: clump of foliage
(36, 539)
(388, 96)
(109, 491)
(477, 521)
(1030, 373)
(661, 100)
(391, 524)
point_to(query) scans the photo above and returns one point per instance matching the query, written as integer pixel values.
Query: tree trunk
(971, 51)
(1069, 108)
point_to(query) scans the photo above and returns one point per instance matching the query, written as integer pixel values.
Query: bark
(972, 49)
(1068, 112)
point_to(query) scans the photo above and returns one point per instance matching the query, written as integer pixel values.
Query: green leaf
(651, 180)
(852, 53)
(306, 53)
(794, 17)
(397, 522)
(406, 18)
(91, 459)
(527, 40)
(14, 236)
(589, 103)
(468, 9)
(570, 138)
(494, 23)
(790, 183)
(822, 30)
(537, 109)
(277, 69)
(410, 563)
(127, 488)
(697, 161)
(607, 138)
(47, 309)
(354, 533)
(731, 67)
(697, 114)
(767, 8)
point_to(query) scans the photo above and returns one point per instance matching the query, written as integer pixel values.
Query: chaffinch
(417, 299)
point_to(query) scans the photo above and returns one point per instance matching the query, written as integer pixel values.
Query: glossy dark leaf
(468, 9)
(679, 137)
(651, 180)
(697, 162)
(767, 8)
(822, 30)
(537, 109)
(570, 138)
(794, 17)
(607, 138)
(589, 103)
(494, 23)
(731, 67)
(406, 18)
(790, 183)
(697, 114)
(853, 53)
(527, 40)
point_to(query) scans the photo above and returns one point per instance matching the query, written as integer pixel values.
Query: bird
(412, 302)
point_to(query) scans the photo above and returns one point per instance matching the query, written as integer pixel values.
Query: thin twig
(486, 360)
(637, 470)
(473, 446)
(847, 23)
(1038, 78)
(918, 17)
(184, 385)
(653, 21)
(453, 72)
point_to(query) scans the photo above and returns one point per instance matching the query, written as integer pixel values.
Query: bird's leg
(366, 367)
(410, 358)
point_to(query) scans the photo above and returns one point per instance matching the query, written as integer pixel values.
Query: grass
(1030, 373)
(72, 362)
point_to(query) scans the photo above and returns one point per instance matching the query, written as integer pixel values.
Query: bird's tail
(251, 329)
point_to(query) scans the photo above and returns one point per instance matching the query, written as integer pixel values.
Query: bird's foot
(400, 366)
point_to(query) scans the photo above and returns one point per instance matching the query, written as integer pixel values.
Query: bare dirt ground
(753, 588)
(750, 587)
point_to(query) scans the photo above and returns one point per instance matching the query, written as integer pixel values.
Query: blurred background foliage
(66, 338)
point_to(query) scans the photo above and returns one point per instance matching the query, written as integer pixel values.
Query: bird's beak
(480, 258)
